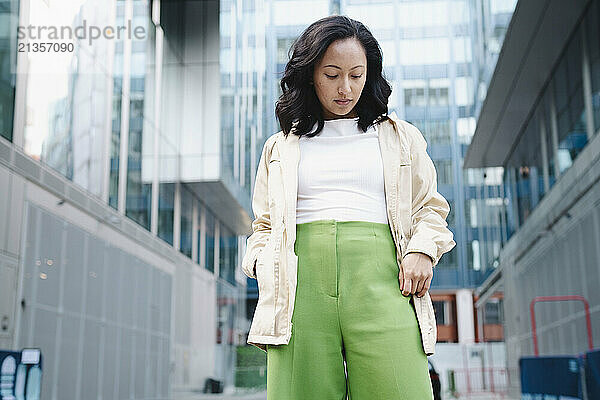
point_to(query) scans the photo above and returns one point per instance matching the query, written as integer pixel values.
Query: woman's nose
(344, 89)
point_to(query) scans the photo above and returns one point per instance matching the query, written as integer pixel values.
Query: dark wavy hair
(298, 107)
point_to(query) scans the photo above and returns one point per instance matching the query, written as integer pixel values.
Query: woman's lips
(342, 102)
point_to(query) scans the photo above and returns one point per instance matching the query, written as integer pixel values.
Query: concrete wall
(556, 252)
(114, 309)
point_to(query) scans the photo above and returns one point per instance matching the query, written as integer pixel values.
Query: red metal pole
(533, 328)
(539, 299)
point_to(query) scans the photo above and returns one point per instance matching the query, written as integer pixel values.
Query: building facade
(126, 163)
(539, 121)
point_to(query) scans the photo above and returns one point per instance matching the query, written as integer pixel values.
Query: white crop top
(340, 174)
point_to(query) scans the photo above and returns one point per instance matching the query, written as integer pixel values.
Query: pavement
(262, 395)
(239, 395)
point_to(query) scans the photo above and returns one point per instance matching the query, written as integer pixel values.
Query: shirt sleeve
(261, 226)
(429, 234)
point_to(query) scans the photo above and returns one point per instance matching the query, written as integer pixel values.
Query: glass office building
(127, 161)
(539, 121)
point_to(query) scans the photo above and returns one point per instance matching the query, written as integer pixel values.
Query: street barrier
(478, 380)
(592, 374)
(20, 374)
(550, 376)
(561, 376)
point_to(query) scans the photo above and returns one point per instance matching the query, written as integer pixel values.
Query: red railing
(539, 299)
(479, 380)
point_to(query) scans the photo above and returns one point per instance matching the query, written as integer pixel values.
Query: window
(451, 219)
(449, 260)
(187, 200)
(425, 51)
(423, 13)
(443, 312)
(493, 312)
(227, 254)
(166, 198)
(568, 93)
(444, 171)
(593, 44)
(283, 46)
(9, 15)
(209, 241)
(414, 97)
(465, 128)
(436, 132)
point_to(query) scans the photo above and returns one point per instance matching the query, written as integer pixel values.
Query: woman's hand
(415, 276)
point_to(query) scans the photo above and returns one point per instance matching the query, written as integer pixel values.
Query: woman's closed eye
(335, 76)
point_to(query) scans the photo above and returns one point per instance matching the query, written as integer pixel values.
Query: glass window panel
(199, 232)
(462, 49)
(510, 200)
(444, 171)
(9, 14)
(465, 128)
(415, 97)
(459, 13)
(141, 130)
(166, 199)
(66, 91)
(417, 14)
(388, 49)
(545, 114)
(227, 255)
(523, 198)
(424, 51)
(502, 6)
(440, 312)
(436, 132)
(493, 312)
(568, 91)
(375, 16)
(299, 12)
(209, 241)
(283, 47)
(451, 215)
(462, 93)
(475, 255)
(187, 199)
(449, 260)
(592, 26)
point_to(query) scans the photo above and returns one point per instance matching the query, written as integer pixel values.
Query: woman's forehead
(344, 54)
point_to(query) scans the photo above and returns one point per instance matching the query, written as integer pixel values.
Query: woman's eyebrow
(335, 66)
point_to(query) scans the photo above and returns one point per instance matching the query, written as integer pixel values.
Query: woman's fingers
(425, 288)
(420, 285)
(407, 286)
(401, 279)
(415, 274)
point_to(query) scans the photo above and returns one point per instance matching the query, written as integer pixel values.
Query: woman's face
(340, 75)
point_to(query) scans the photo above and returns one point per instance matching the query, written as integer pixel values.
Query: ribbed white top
(340, 174)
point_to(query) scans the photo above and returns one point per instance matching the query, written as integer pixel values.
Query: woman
(355, 332)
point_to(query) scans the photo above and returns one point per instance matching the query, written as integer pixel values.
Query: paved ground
(226, 396)
(263, 396)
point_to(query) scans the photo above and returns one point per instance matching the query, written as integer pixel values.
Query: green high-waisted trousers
(349, 307)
